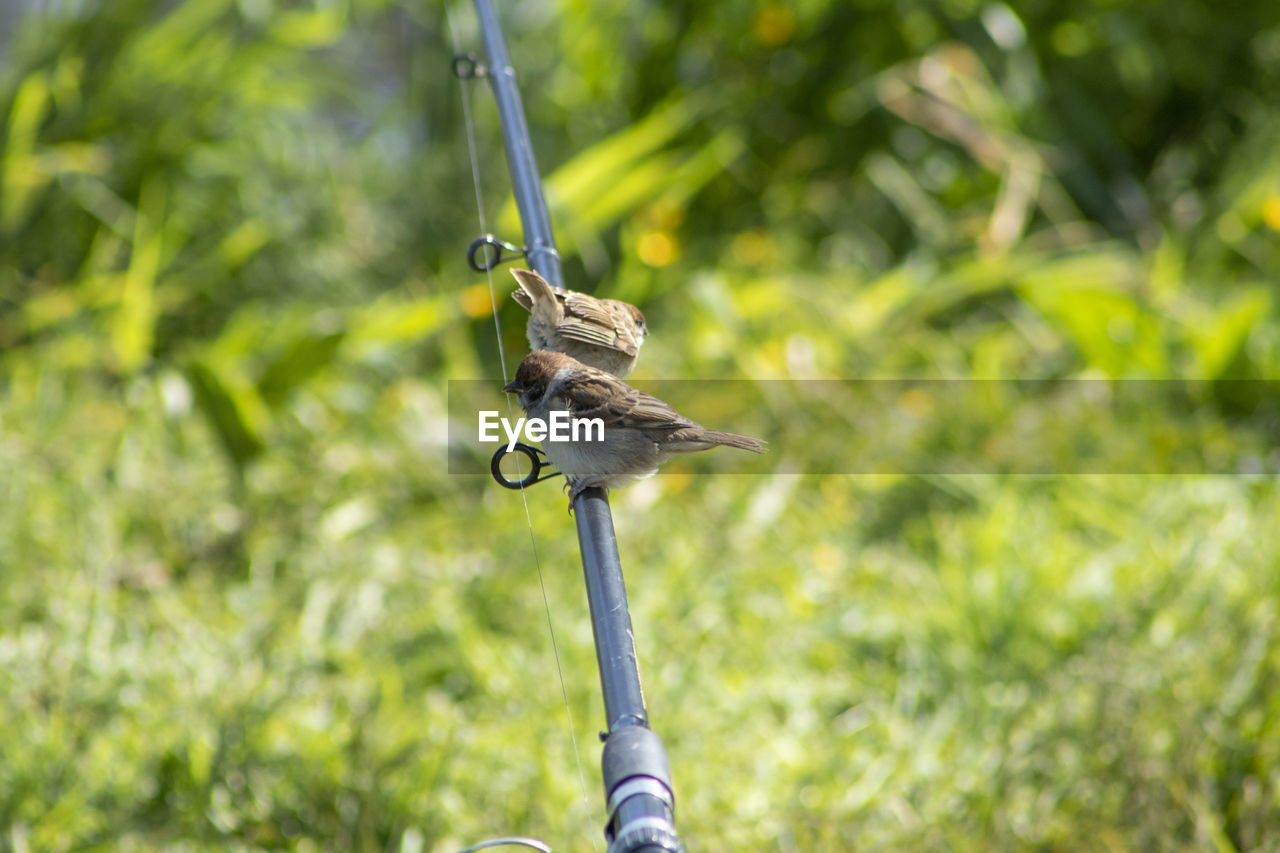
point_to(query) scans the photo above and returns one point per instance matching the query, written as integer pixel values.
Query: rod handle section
(637, 783)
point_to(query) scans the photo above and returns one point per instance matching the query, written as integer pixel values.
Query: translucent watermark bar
(936, 426)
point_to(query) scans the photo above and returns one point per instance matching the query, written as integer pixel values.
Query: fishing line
(502, 358)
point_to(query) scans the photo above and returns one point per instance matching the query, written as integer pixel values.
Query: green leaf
(608, 180)
(20, 175)
(390, 321)
(134, 325)
(1219, 343)
(233, 407)
(1083, 296)
(302, 359)
(312, 29)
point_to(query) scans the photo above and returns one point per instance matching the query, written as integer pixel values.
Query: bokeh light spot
(658, 248)
(476, 301)
(775, 25)
(1271, 212)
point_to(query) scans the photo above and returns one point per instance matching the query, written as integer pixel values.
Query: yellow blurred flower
(775, 25)
(658, 248)
(916, 402)
(476, 301)
(664, 215)
(752, 248)
(1271, 212)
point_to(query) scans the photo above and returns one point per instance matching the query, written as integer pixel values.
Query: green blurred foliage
(245, 606)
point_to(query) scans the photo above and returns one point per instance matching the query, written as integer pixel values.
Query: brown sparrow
(603, 333)
(639, 433)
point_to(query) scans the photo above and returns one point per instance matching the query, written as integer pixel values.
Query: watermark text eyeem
(561, 426)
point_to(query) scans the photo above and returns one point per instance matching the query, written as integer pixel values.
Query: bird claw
(576, 488)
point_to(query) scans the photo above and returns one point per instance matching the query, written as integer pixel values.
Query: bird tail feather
(538, 297)
(732, 439)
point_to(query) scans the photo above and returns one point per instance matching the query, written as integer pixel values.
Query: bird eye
(536, 389)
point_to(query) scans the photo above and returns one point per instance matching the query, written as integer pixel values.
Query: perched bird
(640, 431)
(603, 333)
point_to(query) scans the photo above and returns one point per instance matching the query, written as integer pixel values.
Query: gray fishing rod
(637, 778)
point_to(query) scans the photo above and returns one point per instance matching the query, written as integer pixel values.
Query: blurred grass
(246, 607)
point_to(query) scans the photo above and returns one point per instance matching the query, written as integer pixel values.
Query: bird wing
(600, 395)
(574, 315)
(630, 335)
(592, 321)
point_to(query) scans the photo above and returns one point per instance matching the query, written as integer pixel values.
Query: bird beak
(511, 388)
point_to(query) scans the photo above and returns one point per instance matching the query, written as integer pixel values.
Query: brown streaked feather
(717, 437)
(553, 381)
(577, 316)
(589, 333)
(600, 395)
(626, 318)
(587, 308)
(599, 322)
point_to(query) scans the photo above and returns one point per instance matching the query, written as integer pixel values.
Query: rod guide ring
(467, 65)
(537, 459)
(492, 249)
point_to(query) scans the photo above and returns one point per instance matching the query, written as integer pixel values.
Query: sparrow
(640, 431)
(602, 333)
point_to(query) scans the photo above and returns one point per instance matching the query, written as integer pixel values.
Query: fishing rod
(640, 802)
